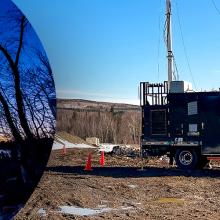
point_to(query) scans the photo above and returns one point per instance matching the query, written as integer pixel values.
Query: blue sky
(102, 49)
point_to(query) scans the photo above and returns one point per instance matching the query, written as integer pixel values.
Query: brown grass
(71, 138)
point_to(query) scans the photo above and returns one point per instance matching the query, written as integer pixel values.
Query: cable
(176, 77)
(158, 49)
(215, 6)
(184, 47)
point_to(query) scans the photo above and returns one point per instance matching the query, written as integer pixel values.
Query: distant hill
(80, 104)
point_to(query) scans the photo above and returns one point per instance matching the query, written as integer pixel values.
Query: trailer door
(158, 118)
(154, 123)
(210, 124)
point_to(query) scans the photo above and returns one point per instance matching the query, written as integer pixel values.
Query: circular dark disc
(27, 109)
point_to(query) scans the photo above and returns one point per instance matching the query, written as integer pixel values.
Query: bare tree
(27, 91)
(110, 127)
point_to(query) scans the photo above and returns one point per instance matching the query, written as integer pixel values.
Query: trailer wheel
(186, 159)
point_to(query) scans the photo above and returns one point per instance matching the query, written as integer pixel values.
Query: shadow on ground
(134, 172)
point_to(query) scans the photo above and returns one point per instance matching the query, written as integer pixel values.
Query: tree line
(110, 127)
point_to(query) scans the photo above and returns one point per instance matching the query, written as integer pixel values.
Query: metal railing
(153, 93)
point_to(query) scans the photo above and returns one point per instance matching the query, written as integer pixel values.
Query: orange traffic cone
(89, 163)
(102, 159)
(64, 150)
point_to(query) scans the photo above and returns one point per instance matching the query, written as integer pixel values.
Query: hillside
(110, 122)
(88, 105)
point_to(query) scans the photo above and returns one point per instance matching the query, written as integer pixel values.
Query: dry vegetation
(70, 138)
(107, 123)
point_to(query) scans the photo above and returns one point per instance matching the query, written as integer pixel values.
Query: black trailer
(185, 126)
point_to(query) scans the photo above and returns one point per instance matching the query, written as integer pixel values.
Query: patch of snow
(133, 186)
(164, 158)
(57, 145)
(42, 212)
(83, 146)
(107, 147)
(126, 208)
(73, 210)
(102, 206)
(136, 203)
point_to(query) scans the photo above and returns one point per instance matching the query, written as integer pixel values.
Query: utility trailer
(178, 121)
(183, 125)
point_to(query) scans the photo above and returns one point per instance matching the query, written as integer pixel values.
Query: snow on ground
(79, 211)
(60, 143)
(72, 210)
(132, 186)
(42, 212)
(107, 147)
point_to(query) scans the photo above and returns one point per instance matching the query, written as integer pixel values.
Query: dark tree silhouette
(27, 104)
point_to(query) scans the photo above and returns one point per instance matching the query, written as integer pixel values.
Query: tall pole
(169, 43)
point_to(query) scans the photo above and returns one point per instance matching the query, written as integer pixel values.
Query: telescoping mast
(169, 43)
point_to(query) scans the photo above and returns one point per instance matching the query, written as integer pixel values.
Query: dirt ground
(120, 190)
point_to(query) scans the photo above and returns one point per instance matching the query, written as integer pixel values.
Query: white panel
(180, 87)
(192, 108)
(193, 128)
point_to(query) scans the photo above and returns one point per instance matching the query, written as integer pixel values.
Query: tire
(186, 159)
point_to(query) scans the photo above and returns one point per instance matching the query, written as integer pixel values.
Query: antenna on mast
(169, 42)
